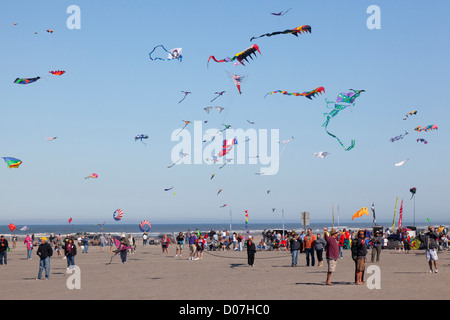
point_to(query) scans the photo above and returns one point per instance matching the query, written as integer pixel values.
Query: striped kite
(307, 94)
(12, 162)
(360, 213)
(294, 32)
(241, 56)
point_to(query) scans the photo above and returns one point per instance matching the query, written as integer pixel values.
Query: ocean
(174, 228)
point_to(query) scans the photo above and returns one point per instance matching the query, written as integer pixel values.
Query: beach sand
(149, 275)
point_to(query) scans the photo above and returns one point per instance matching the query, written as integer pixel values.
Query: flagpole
(332, 213)
(282, 219)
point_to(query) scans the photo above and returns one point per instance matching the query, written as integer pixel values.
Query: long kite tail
(352, 144)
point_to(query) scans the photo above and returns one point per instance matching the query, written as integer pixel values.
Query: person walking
(70, 251)
(192, 246)
(44, 252)
(295, 245)
(85, 242)
(309, 242)
(165, 244)
(319, 247)
(331, 253)
(429, 241)
(251, 250)
(359, 252)
(124, 244)
(3, 250)
(29, 244)
(180, 244)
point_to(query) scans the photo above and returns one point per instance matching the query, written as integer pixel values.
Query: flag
(401, 215)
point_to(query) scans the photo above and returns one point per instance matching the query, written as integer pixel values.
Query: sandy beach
(149, 275)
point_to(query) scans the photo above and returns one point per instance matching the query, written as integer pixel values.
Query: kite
(268, 191)
(117, 215)
(173, 54)
(208, 109)
(227, 161)
(246, 221)
(286, 141)
(182, 155)
(141, 137)
(227, 126)
(49, 31)
(220, 190)
(238, 80)
(281, 13)
(12, 162)
(409, 114)
(168, 189)
(57, 72)
(94, 175)
(251, 122)
(223, 206)
(227, 146)
(50, 138)
(185, 94)
(345, 98)
(120, 247)
(12, 227)
(399, 137)
(308, 94)
(294, 32)
(26, 80)
(415, 244)
(25, 228)
(401, 163)
(185, 125)
(218, 95)
(413, 192)
(321, 154)
(360, 213)
(422, 140)
(70, 220)
(145, 226)
(241, 56)
(429, 127)
(273, 210)
(212, 176)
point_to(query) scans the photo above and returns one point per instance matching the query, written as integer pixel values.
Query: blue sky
(112, 91)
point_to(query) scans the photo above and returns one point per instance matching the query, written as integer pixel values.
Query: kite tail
(352, 144)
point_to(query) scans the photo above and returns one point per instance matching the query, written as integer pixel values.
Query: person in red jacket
(341, 238)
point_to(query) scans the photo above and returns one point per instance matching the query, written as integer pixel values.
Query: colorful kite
(70, 220)
(208, 109)
(240, 57)
(360, 213)
(172, 54)
(141, 137)
(57, 72)
(427, 128)
(246, 221)
(401, 163)
(49, 31)
(117, 215)
(185, 125)
(12, 227)
(220, 190)
(12, 162)
(218, 95)
(145, 226)
(168, 189)
(409, 114)
(399, 137)
(223, 206)
(120, 247)
(294, 32)
(227, 146)
(212, 176)
(238, 80)
(94, 176)
(50, 138)
(185, 94)
(422, 140)
(26, 80)
(415, 244)
(341, 98)
(309, 94)
(281, 13)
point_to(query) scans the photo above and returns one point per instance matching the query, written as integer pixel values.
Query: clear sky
(112, 91)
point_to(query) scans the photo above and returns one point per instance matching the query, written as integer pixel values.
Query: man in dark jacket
(251, 250)
(3, 250)
(295, 246)
(376, 249)
(332, 252)
(359, 252)
(429, 240)
(44, 252)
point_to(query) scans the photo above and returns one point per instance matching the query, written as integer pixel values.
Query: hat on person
(44, 239)
(333, 232)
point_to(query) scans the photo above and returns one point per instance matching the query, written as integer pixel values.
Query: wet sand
(149, 275)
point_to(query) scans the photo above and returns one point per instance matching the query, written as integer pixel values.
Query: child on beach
(165, 244)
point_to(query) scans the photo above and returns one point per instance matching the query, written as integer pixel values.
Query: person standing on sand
(85, 242)
(331, 253)
(124, 252)
(309, 242)
(359, 252)
(251, 250)
(429, 241)
(201, 243)
(180, 244)
(295, 246)
(192, 246)
(29, 243)
(376, 246)
(44, 252)
(165, 244)
(3, 250)
(70, 251)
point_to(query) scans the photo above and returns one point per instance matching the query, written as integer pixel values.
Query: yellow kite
(360, 213)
